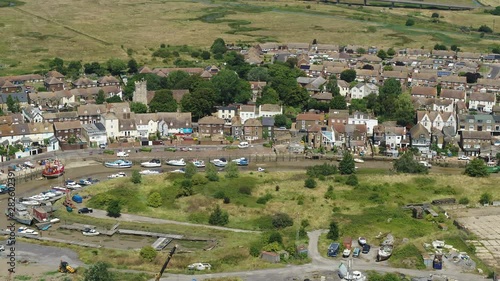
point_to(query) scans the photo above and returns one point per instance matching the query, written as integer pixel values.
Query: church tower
(141, 92)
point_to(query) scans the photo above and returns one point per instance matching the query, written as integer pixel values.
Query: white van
(243, 144)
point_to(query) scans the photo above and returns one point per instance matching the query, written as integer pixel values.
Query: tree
(358, 105)
(454, 48)
(116, 66)
(218, 217)
(332, 86)
(190, 170)
(404, 110)
(100, 99)
(200, 102)
(435, 15)
(281, 220)
(382, 54)
(495, 50)
(368, 66)
(338, 102)
(57, 64)
(407, 164)
(98, 272)
(163, 101)
(232, 171)
(155, 200)
(205, 55)
(13, 104)
(283, 80)
(388, 94)
(280, 120)
(268, 96)
(410, 22)
(236, 62)
(73, 69)
(485, 199)
(346, 165)
(211, 172)
(231, 88)
(348, 75)
(114, 99)
(485, 29)
(148, 253)
(476, 168)
(275, 236)
(175, 79)
(114, 209)
(218, 47)
(310, 183)
(132, 66)
(138, 107)
(441, 47)
(333, 232)
(391, 52)
(352, 180)
(94, 68)
(472, 77)
(388, 67)
(136, 177)
(258, 74)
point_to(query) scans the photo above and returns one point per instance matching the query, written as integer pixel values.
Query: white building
(32, 114)
(482, 101)
(362, 90)
(269, 110)
(247, 112)
(94, 134)
(111, 124)
(344, 87)
(226, 113)
(363, 118)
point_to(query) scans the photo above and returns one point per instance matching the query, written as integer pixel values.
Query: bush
(347, 165)
(255, 249)
(275, 237)
(476, 168)
(485, 29)
(485, 198)
(435, 15)
(226, 200)
(110, 152)
(463, 201)
(114, 209)
(155, 200)
(190, 170)
(145, 149)
(219, 194)
(99, 272)
(333, 232)
(247, 190)
(136, 177)
(324, 169)
(329, 194)
(211, 172)
(282, 220)
(148, 253)
(310, 183)
(199, 179)
(218, 217)
(410, 22)
(264, 199)
(407, 164)
(232, 171)
(352, 180)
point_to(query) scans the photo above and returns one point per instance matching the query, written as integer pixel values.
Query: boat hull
(176, 164)
(383, 257)
(52, 175)
(115, 166)
(151, 165)
(90, 234)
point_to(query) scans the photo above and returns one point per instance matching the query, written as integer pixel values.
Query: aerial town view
(250, 140)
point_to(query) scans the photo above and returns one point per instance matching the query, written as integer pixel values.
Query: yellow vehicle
(64, 267)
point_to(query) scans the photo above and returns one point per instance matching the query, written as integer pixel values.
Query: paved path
(135, 218)
(319, 264)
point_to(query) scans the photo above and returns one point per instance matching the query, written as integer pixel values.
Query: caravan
(243, 144)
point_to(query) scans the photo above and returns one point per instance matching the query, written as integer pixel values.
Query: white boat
(179, 171)
(179, 162)
(90, 232)
(49, 194)
(122, 154)
(25, 230)
(39, 197)
(153, 163)
(357, 160)
(347, 274)
(29, 164)
(72, 185)
(30, 203)
(118, 175)
(198, 163)
(260, 169)
(221, 162)
(61, 189)
(149, 172)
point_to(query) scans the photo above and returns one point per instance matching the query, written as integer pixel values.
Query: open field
(368, 209)
(90, 31)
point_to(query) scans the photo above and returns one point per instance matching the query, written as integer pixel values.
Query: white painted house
(362, 90)
(269, 110)
(363, 118)
(111, 124)
(482, 101)
(247, 112)
(32, 114)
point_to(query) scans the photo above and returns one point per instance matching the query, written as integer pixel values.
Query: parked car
(102, 146)
(200, 266)
(85, 210)
(356, 252)
(346, 253)
(366, 249)
(463, 157)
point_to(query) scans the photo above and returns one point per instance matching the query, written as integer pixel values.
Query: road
(320, 265)
(495, 70)
(135, 218)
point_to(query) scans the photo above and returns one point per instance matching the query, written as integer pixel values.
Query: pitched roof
(270, 107)
(310, 117)
(66, 125)
(144, 118)
(126, 125)
(91, 109)
(481, 135)
(487, 97)
(322, 96)
(54, 74)
(108, 80)
(452, 94)
(453, 79)
(175, 119)
(209, 120)
(417, 130)
(179, 94)
(423, 91)
(53, 81)
(253, 122)
(247, 108)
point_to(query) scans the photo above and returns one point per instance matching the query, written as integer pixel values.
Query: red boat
(53, 169)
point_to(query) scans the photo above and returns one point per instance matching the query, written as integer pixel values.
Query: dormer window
(98, 111)
(85, 112)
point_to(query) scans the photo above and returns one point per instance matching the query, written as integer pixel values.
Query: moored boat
(153, 163)
(21, 214)
(30, 203)
(198, 163)
(118, 164)
(357, 160)
(385, 250)
(25, 230)
(179, 162)
(72, 184)
(149, 172)
(241, 161)
(221, 162)
(84, 182)
(90, 232)
(53, 169)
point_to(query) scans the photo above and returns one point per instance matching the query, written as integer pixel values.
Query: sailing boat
(347, 274)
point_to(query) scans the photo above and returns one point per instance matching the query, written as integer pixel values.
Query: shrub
(264, 199)
(190, 170)
(218, 217)
(329, 194)
(275, 237)
(410, 22)
(310, 183)
(110, 152)
(226, 200)
(255, 249)
(199, 179)
(463, 201)
(435, 15)
(247, 190)
(352, 180)
(219, 194)
(136, 177)
(485, 29)
(347, 166)
(282, 220)
(485, 198)
(407, 164)
(145, 149)
(211, 172)
(324, 169)
(232, 171)
(148, 253)
(99, 272)
(476, 168)
(114, 209)
(155, 200)
(333, 232)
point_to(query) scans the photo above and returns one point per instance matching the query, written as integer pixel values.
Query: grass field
(370, 208)
(91, 31)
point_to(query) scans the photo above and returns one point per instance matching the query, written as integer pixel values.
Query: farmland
(35, 31)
